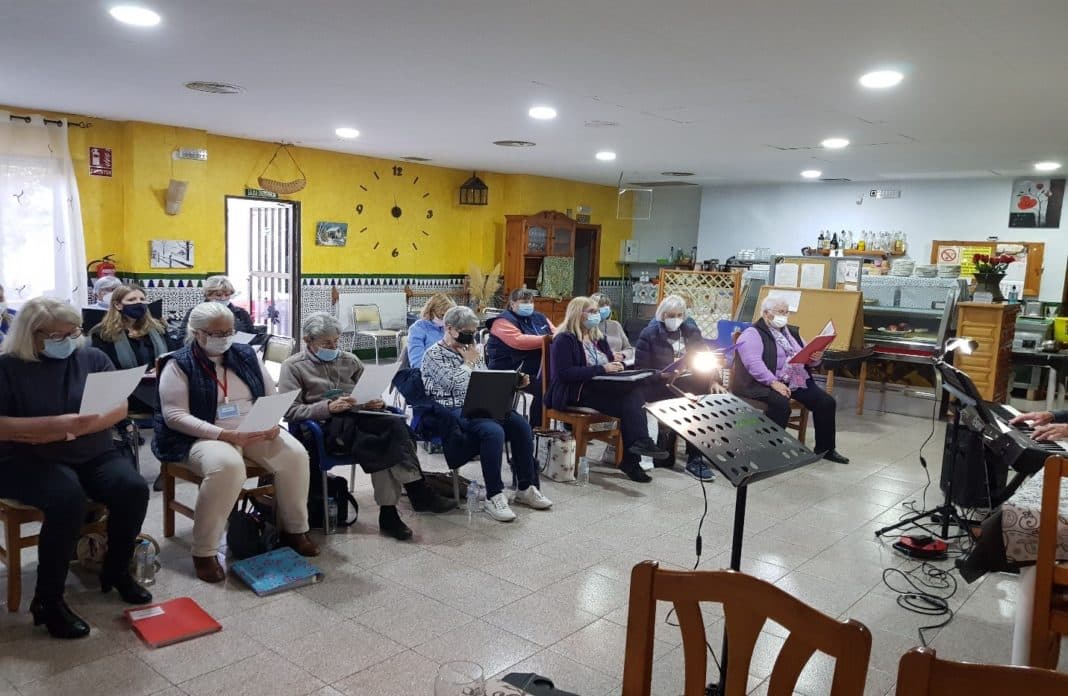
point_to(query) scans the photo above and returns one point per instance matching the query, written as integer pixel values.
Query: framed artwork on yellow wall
(331, 234)
(171, 253)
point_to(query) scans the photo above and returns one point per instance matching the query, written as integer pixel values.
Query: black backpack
(250, 530)
(337, 489)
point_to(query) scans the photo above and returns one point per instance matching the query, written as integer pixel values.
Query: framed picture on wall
(170, 253)
(331, 233)
(1036, 203)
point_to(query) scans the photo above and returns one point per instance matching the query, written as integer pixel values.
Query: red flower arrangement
(987, 263)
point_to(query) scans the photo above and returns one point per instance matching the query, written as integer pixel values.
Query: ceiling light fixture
(134, 15)
(812, 173)
(605, 155)
(1047, 166)
(346, 133)
(835, 143)
(676, 173)
(414, 158)
(542, 113)
(214, 87)
(881, 79)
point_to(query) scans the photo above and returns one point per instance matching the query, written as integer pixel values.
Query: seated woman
(102, 288)
(218, 288)
(618, 342)
(579, 352)
(54, 459)
(515, 343)
(326, 377)
(7, 317)
(668, 337)
(429, 329)
(130, 337)
(762, 372)
(206, 389)
(446, 370)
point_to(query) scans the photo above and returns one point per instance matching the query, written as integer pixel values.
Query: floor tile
(266, 673)
(339, 650)
(184, 661)
(491, 647)
(121, 673)
(414, 621)
(404, 674)
(567, 674)
(539, 619)
(602, 646)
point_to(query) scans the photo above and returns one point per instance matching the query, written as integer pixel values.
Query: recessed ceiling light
(605, 156)
(1047, 166)
(347, 132)
(676, 173)
(513, 143)
(542, 113)
(812, 173)
(134, 15)
(835, 143)
(881, 79)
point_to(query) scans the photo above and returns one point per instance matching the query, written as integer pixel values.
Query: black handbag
(337, 489)
(250, 530)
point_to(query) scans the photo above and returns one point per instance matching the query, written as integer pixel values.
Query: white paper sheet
(243, 337)
(792, 297)
(785, 275)
(267, 411)
(849, 271)
(106, 390)
(812, 275)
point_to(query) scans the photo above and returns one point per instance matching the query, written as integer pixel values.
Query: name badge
(332, 393)
(227, 411)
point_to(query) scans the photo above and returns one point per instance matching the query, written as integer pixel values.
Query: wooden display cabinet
(993, 327)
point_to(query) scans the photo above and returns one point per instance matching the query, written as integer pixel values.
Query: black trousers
(821, 404)
(61, 492)
(625, 401)
(658, 391)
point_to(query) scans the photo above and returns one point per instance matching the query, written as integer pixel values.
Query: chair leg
(352, 478)
(12, 530)
(861, 387)
(802, 425)
(326, 503)
(168, 501)
(456, 486)
(619, 446)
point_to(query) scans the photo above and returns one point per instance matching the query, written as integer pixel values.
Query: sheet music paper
(243, 337)
(812, 275)
(105, 391)
(267, 411)
(785, 275)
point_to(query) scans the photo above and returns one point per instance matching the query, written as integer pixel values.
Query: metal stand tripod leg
(736, 564)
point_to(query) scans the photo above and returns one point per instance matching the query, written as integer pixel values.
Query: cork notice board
(1027, 269)
(811, 309)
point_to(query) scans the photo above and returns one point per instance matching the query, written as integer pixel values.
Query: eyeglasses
(59, 335)
(218, 334)
(327, 342)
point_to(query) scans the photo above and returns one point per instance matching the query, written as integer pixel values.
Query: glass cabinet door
(537, 240)
(563, 241)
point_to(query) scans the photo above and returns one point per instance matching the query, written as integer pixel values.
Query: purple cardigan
(568, 369)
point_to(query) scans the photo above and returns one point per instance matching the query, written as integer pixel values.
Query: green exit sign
(260, 193)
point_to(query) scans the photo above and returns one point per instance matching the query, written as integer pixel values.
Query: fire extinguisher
(103, 267)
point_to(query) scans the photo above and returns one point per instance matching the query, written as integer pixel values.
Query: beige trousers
(223, 467)
(388, 482)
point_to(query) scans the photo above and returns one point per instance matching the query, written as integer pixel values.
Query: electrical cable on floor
(921, 596)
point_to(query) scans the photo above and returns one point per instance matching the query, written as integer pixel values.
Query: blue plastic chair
(311, 430)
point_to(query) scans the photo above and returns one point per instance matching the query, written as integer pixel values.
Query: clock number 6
(398, 171)
(429, 214)
(359, 208)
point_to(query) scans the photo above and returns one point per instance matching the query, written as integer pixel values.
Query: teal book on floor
(276, 571)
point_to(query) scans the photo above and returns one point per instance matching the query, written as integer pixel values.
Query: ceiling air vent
(215, 87)
(659, 184)
(597, 123)
(837, 181)
(413, 158)
(513, 143)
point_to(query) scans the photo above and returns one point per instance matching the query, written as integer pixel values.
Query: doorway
(587, 260)
(263, 261)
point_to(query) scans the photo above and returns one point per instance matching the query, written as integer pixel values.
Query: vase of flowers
(989, 272)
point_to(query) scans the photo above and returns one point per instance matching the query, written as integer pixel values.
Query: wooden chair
(13, 515)
(172, 471)
(586, 423)
(1049, 620)
(921, 673)
(798, 419)
(748, 604)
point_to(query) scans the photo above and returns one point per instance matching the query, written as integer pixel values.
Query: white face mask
(217, 346)
(779, 321)
(673, 323)
(105, 299)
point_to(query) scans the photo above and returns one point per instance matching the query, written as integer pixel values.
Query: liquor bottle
(862, 241)
(820, 240)
(834, 241)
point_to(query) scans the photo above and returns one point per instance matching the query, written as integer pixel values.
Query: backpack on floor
(251, 529)
(337, 489)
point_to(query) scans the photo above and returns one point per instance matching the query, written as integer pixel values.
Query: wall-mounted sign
(100, 161)
(199, 154)
(260, 193)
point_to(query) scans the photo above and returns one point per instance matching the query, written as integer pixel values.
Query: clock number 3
(429, 214)
(398, 171)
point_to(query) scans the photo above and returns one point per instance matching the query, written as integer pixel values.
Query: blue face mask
(524, 309)
(605, 313)
(592, 320)
(60, 349)
(327, 354)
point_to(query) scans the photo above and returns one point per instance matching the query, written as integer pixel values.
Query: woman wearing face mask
(130, 337)
(429, 329)
(219, 289)
(206, 388)
(613, 332)
(580, 353)
(762, 371)
(446, 371)
(515, 343)
(54, 459)
(102, 288)
(382, 445)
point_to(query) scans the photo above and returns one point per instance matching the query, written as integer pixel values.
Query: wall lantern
(474, 191)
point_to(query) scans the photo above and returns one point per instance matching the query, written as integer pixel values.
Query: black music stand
(744, 445)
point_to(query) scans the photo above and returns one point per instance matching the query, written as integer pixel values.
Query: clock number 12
(398, 171)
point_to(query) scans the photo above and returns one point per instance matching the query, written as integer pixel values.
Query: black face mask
(134, 311)
(465, 338)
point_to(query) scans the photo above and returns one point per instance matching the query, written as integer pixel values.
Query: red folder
(817, 344)
(171, 622)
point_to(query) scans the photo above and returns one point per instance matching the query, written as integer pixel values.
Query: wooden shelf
(857, 252)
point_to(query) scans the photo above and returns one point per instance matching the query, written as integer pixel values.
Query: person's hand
(240, 439)
(374, 405)
(816, 357)
(717, 388)
(340, 405)
(524, 380)
(613, 367)
(618, 357)
(1050, 432)
(781, 388)
(468, 352)
(1033, 417)
(271, 434)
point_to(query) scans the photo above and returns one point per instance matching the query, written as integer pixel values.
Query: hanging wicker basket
(282, 188)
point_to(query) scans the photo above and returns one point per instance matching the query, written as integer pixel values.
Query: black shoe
(833, 456)
(647, 448)
(126, 586)
(425, 499)
(667, 463)
(157, 485)
(390, 524)
(58, 619)
(635, 472)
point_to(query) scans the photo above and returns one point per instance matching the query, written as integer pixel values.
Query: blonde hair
(574, 322)
(202, 315)
(218, 283)
(113, 325)
(35, 314)
(436, 306)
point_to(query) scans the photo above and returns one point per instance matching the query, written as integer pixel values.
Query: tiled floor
(547, 593)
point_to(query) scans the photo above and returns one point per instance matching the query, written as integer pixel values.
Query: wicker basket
(282, 188)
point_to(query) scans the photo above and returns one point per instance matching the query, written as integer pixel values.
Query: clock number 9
(398, 171)
(429, 214)
(359, 208)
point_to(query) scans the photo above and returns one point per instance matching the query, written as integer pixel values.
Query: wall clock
(409, 214)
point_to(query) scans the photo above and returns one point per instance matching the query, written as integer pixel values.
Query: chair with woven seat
(367, 321)
(921, 673)
(13, 515)
(586, 424)
(1049, 620)
(748, 604)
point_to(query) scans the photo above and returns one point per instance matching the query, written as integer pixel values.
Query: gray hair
(218, 283)
(671, 303)
(601, 299)
(522, 295)
(460, 318)
(105, 284)
(203, 314)
(34, 315)
(319, 324)
(772, 301)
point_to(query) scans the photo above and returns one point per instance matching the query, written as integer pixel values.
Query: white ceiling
(706, 86)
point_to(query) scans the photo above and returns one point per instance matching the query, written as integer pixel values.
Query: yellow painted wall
(123, 213)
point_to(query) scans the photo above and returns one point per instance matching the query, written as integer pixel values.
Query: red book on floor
(171, 622)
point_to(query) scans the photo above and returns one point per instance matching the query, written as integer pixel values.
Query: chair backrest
(544, 372)
(1051, 578)
(366, 317)
(278, 348)
(403, 363)
(920, 672)
(748, 603)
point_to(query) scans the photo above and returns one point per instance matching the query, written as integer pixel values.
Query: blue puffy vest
(501, 356)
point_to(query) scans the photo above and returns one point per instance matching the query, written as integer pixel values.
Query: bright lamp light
(705, 361)
(134, 15)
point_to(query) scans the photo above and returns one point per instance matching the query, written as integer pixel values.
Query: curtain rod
(75, 124)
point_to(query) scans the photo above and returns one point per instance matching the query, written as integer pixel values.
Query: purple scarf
(793, 376)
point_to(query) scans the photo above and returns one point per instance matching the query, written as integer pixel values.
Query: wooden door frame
(595, 254)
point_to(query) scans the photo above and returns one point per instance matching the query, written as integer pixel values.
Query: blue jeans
(485, 437)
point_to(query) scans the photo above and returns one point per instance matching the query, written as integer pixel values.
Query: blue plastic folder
(276, 571)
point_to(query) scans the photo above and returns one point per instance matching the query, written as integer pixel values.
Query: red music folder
(171, 622)
(817, 344)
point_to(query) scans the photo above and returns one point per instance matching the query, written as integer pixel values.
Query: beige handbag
(555, 449)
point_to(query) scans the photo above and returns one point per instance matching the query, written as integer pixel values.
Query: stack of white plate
(926, 271)
(902, 267)
(949, 270)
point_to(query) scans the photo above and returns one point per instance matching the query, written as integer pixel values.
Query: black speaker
(976, 477)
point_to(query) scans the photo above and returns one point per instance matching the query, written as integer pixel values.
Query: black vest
(501, 356)
(742, 383)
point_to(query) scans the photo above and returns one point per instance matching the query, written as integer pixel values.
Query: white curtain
(42, 247)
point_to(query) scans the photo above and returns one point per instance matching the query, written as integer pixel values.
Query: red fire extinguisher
(103, 267)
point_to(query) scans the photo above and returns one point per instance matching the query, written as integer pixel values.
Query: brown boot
(209, 569)
(301, 543)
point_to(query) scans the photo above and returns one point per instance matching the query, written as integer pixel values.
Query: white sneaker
(532, 497)
(497, 508)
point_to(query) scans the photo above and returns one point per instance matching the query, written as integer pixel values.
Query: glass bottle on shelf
(834, 241)
(862, 240)
(819, 240)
